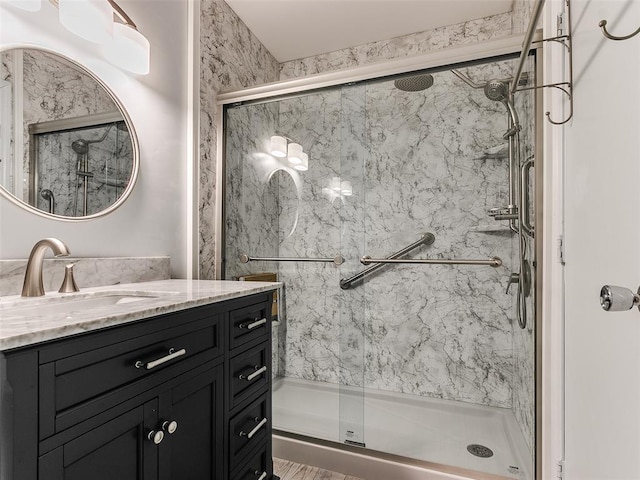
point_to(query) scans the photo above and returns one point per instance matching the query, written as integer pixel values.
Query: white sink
(75, 303)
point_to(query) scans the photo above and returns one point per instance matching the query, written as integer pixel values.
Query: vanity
(164, 380)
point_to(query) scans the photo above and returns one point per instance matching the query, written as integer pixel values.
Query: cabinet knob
(156, 436)
(170, 426)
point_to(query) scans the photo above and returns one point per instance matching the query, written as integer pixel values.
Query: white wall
(602, 350)
(153, 220)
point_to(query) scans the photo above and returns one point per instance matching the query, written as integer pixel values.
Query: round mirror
(67, 146)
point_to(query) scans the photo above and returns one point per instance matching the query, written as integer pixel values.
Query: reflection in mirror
(65, 146)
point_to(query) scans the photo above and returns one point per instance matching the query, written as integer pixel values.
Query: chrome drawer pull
(262, 477)
(259, 371)
(262, 423)
(172, 354)
(256, 323)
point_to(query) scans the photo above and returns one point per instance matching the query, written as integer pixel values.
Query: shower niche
(424, 362)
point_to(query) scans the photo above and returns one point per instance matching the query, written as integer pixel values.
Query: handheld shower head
(498, 91)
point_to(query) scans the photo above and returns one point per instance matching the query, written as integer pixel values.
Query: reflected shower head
(496, 90)
(80, 146)
(414, 83)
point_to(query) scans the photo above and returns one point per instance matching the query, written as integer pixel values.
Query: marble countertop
(26, 321)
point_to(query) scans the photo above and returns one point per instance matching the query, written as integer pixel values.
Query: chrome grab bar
(426, 239)
(491, 261)
(525, 221)
(338, 259)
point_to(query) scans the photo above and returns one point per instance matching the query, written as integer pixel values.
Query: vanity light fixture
(103, 22)
(28, 5)
(89, 19)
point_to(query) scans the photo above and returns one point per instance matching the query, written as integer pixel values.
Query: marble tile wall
(88, 272)
(231, 58)
(399, 47)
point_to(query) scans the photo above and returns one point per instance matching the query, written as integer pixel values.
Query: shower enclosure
(431, 361)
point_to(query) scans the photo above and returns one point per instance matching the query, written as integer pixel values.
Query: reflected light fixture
(303, 166)
(28, 5)
(278, 146)
(294, 153)
(346, 189)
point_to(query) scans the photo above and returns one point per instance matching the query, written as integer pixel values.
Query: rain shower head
(414, 83)
(80, 146)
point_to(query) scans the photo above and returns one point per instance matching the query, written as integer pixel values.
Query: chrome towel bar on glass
(491, 261)
(338, 259)
(426, 239)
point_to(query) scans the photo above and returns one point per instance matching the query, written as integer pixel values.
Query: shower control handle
(513, 278)
(618, 299)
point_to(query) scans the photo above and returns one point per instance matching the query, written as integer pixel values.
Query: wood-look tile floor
(294, 471)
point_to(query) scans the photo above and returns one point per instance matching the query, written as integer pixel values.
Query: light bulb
(278, 146)
(128, 49)
(89, 19)
(303, 166)
(294, 153)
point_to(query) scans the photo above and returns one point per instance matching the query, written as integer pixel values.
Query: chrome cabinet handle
(249, 378)
(256, 323)
(172, 354)
(255, 430)
(170, 426)
(156, 436)
(261, 477)
(618, 299)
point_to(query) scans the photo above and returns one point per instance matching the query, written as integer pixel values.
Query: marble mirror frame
(6, 193)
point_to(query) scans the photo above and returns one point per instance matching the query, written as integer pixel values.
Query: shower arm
(426, 239)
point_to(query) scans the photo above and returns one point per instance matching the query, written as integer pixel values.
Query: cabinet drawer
(257, 468)
(247, 430)
(249, 323)
(250, 372)
(70, 382)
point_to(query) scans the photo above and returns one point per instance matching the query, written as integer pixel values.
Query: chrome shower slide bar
(338, 259)
(425, 239)
(491, 261)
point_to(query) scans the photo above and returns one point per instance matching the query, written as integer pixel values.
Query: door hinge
(561, 469)
(561, 254)
(560, 24)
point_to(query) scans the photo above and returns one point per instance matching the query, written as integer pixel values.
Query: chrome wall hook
(603, 27)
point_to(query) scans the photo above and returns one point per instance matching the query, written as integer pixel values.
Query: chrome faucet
(33, 286)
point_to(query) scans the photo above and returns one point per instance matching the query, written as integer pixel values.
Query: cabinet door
(194, 451)
(118, 449)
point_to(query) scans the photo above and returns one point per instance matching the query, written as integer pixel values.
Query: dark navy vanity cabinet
(180, 396)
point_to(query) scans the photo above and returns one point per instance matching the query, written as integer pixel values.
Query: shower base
(416, 434)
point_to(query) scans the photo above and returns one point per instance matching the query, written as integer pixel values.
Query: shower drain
(480, 451)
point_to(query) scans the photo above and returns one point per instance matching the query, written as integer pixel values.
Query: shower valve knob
(618, 299)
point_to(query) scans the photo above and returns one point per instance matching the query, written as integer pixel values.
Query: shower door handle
(525, 201)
